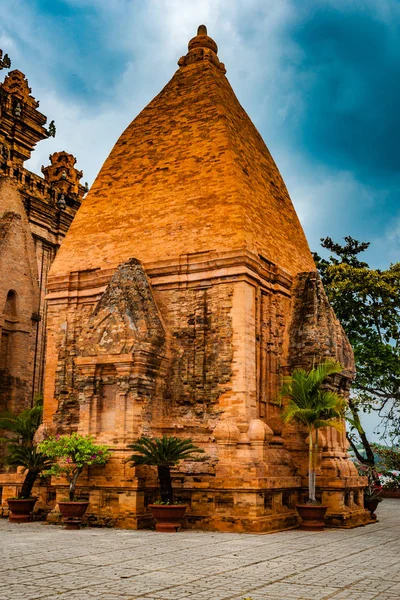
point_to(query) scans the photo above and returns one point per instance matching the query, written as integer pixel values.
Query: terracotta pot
(168, 516)
(371, 505)
(72, 513)
(312, 516)
(21, 509)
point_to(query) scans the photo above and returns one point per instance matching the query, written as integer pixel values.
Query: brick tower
(35, 214)
(184, 290)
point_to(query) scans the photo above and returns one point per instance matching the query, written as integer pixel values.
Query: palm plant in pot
(72, 454)
(164, 453)
(21, 451)
(313, 406)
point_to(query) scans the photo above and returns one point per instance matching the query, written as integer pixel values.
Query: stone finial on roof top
(16, 84)
(63, 175)
(202, 48)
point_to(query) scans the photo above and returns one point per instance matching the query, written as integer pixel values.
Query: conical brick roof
(190, 174)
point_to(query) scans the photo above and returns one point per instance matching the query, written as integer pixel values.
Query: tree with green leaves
(163, 453)
(21, 450)
(314, 406)
(72, 454)
(367, 303)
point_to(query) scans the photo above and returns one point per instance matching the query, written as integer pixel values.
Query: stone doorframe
(136, 375)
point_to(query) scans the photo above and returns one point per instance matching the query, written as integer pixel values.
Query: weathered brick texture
(19, 300)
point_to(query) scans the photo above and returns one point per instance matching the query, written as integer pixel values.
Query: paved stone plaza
(45, 561)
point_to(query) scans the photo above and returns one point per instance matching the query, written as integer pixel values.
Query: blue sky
(319, 78)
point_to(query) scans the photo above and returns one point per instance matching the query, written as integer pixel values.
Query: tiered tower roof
(21, 124)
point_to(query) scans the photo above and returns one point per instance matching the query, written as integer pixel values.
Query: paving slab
(41, 561)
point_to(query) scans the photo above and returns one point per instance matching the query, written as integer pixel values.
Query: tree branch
(355, 450)
(370, 458)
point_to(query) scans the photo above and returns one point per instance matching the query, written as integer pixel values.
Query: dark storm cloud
(350, 96)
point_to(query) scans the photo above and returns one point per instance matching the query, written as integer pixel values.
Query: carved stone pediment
(315, 332)
(126, 319)
(119, 358)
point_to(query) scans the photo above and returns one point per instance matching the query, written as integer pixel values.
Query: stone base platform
(211, 509)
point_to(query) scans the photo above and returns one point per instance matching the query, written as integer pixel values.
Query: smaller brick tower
(35, 214)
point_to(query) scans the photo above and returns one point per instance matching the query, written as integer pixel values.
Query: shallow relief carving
(119, 357)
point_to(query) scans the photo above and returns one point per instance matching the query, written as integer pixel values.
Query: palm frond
(336, 423)
(165, 451)
(308, 403)
(318, 374)
(28, 457)
(24, 424)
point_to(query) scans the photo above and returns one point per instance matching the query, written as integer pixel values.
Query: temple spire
(202, 48)
(22, 125)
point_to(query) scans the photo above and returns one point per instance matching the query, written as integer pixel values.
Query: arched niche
(11, 305)
(8, 322)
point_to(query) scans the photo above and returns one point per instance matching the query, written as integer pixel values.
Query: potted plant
(73, 453)
(372, 493)
(371, 500)
(314, 407)
(21, 451)
(164, 453)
